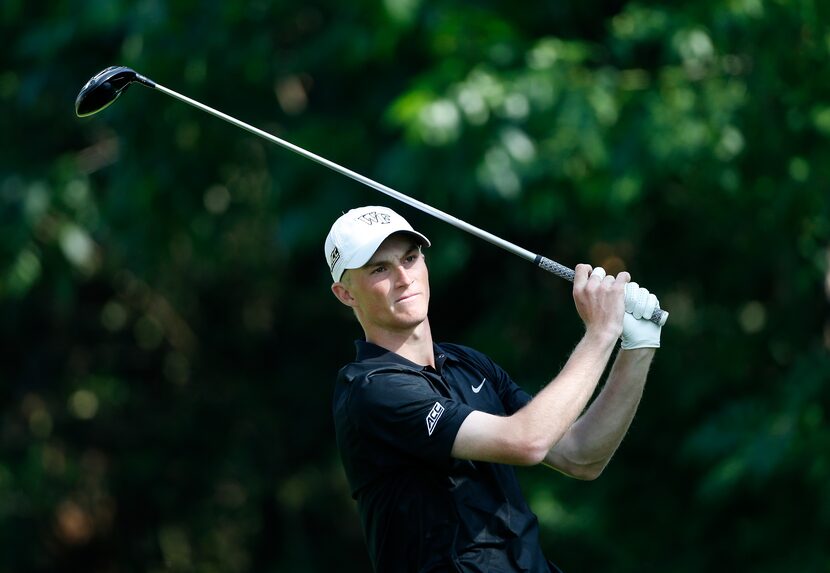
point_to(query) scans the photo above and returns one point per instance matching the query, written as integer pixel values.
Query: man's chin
(410, 321)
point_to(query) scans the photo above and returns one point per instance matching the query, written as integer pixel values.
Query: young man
(428, 433)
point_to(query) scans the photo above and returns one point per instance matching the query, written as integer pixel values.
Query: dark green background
(169, 342)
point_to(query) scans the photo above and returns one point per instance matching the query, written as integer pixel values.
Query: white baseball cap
(356, 235)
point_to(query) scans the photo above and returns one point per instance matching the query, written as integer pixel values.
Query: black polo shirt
(421, 509)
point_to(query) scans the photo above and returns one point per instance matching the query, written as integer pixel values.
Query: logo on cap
(373, 217)
(334, 257)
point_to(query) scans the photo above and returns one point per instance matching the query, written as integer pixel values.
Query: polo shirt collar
(371, 352)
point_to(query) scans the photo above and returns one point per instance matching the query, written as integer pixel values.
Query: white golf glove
(638, 330)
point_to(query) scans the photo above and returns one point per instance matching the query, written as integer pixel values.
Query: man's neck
(415, 345)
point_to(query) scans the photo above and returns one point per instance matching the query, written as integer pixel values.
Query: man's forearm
(553, 411)
(526, 437)
(596, 435)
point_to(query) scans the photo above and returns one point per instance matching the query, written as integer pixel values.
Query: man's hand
(600, 299)
(638, 330)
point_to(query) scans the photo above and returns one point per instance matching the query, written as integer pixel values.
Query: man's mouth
(407, 297)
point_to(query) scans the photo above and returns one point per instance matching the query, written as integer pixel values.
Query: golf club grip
(658, 317)
(553, 267)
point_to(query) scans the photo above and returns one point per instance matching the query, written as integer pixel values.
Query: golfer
(429, 432)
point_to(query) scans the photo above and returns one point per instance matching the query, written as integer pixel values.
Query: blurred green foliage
(169, 343)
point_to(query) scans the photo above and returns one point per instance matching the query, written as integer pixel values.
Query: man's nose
(402, 276)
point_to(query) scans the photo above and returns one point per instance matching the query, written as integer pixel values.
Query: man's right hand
(600, 300)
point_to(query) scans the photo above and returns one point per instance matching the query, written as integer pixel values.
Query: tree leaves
(169, 343)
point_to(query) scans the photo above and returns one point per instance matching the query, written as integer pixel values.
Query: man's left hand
(638, 330)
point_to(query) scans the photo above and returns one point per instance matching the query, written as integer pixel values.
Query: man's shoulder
(370, 377)
(362, 369)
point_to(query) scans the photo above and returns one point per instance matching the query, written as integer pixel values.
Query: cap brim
(364, 254)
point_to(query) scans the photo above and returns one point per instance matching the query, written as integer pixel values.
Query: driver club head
(104, 88)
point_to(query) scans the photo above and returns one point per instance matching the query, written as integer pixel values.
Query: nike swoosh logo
(477, 389)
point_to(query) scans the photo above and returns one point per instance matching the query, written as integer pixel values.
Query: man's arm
(526, 437)
(579, 446)
(586, 448)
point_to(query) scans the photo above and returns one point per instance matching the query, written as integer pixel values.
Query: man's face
(391, 291)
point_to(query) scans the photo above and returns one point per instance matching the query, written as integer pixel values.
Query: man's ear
(343, 295)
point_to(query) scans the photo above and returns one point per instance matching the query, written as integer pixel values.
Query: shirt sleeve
(404, 411)
(513, 397)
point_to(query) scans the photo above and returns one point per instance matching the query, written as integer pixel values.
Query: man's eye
(378, 270)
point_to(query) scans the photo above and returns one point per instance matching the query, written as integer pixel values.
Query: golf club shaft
(525, 254)
(659, 316)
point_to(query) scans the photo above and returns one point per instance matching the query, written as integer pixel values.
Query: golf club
(108, 85)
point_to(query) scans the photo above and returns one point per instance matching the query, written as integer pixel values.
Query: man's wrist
(601, 337)
(642, 352)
